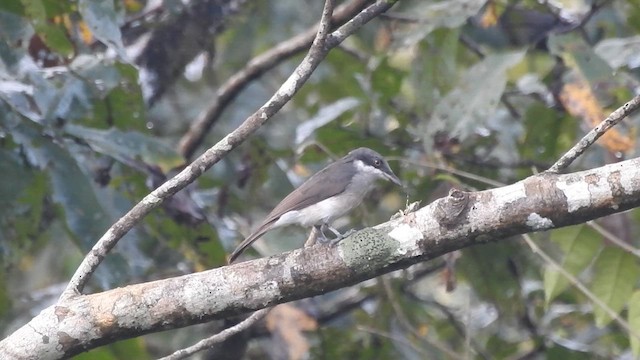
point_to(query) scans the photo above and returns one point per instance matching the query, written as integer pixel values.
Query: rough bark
(461, 219)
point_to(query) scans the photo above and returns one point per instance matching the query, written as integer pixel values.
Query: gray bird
(327, 195)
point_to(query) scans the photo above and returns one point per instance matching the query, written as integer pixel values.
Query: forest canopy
(101, 102)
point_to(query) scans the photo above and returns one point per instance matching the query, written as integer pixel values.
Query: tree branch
(573, 280)
(220, 337)
(459, 220)
(595, 133)
(255, 68)
(321, 46)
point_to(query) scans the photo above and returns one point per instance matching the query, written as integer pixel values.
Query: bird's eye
(377, 162)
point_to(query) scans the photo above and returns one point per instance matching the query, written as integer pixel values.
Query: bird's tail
(247, 242)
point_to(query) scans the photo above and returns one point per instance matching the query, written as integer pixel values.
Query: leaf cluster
(456, 93)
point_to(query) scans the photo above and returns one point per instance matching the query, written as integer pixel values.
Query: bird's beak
(393, 178)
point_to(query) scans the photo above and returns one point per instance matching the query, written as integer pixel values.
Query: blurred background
(100, 102)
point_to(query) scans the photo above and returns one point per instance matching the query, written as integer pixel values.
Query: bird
(327, 195)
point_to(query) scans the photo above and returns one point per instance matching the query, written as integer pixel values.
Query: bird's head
(371, 163)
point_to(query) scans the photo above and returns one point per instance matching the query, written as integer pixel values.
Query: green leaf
(559, 352)
(86, 219)
(21, 208)
(335, 87)
(54, 36)
(324, 116)
(84, 215)
(579, 245)
(35, 10)
(627, 51)
(580, 56)
(14, 7)
(340, 141)
(615, 275)
(548, 133)
(610, 87)
(474, 99)
(14, 29)
(125, 104)
(431, 75)
(438, 14)
(13, 178)
(128, 146)
(104, 22)
(494, 280)
(126, 349)
(5, 296)
(385, 83)
(633, 317)
(199, 244)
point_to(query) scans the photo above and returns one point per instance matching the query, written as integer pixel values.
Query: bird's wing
(328, 182)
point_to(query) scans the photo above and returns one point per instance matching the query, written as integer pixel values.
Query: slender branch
(583, 289)
(219, 337)
(448, 169)
(595, 133)
(255, 68)
(318, 43)
(595, 7)
(421, 351)
(319, 49)
(614, 239)
(406, 324)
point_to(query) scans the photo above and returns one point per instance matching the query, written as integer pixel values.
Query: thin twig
(449, 170)
(545, 257)
(410, 19)
(583, 289)
(493, 163)
(595, 7)
(613, 238)
(595, 133)
(219, 337)
(255, 68)
(405, 323)
(319, 49)
(394, 338)
(453, 320)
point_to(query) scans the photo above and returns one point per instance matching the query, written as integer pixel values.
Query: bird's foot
(323, 239)
(335, 241)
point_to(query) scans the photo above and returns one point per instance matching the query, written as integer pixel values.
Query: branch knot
(449, 209)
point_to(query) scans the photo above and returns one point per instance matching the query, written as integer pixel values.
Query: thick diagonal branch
(323, 43)
(255, 68)
(462, 219)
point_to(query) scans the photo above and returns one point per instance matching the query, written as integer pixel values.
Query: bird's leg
(342, 236)
(323, 239)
